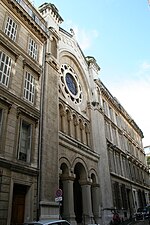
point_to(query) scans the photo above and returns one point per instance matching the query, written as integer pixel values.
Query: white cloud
(84, 37)
(134, 96)
(145, 66)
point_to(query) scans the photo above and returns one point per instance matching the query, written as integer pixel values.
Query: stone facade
(21, 52)
(60, 127)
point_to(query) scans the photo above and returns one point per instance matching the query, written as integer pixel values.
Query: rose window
(69, 84)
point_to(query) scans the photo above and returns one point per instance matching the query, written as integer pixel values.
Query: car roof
(45, 222)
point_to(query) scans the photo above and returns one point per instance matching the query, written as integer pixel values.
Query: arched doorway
(80, 175)
(77, 197)
(63, 177)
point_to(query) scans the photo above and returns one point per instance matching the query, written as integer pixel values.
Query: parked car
(48, 222)
(147, 211)
(142, 213)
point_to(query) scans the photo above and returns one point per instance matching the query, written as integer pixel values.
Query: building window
(112, 161)
(124, 197)
(108, 131)
(33, 49)
(118, 120)
(111, 114)
(29, 87)
(114, 134)
(118, 164)
(70, 84)
(105, 107)
(25, 141)
(5, 68)
(11, 29)
(54, 47)
(117, 195)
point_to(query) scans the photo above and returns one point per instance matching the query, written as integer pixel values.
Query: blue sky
(117, 34)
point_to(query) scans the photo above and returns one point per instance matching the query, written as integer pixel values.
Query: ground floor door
(18, 204)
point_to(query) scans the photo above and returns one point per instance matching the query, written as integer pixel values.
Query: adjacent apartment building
(61, 130)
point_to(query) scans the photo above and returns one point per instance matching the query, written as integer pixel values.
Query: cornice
(32, 66)
(75, 146)
(105, 92)
(30, 17)
(4, 41)
(9, 98)
(18, 167)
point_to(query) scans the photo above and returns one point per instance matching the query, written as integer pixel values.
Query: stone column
(87, 203)
(72, 132)
(68, 200)
(87, 136)
(65, 123)
(68, 124)
(77, 130)
(84, 135)
(96, 203)
(63, 126)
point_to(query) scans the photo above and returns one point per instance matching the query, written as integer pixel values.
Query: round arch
(93, 176)
(64, 161)
(79, 165)
(73, 60)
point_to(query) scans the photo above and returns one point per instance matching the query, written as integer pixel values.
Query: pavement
(133, 222)
(139, 222)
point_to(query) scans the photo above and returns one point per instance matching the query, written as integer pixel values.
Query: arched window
(61, 115)
(54, 48)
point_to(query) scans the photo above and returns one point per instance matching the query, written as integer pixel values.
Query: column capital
(68, 177)
(95, 185)
(85, 182)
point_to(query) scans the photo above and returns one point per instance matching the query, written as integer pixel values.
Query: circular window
(71, 83)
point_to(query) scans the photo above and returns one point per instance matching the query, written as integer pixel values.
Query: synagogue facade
(60, 127)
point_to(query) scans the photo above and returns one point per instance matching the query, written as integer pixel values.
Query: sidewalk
(128, 222)
(133, 222)
(141, 222)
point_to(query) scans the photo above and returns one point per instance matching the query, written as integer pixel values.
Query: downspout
(40, 145)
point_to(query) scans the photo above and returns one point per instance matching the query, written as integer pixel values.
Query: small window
(5, 68)
(111, 114)
(32, 50)
(29, 87)
(108, 130)
(54, 48)
(25, 141)
(11, 29)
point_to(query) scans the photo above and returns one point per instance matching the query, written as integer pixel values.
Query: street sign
(58, 199)
(58, 193)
